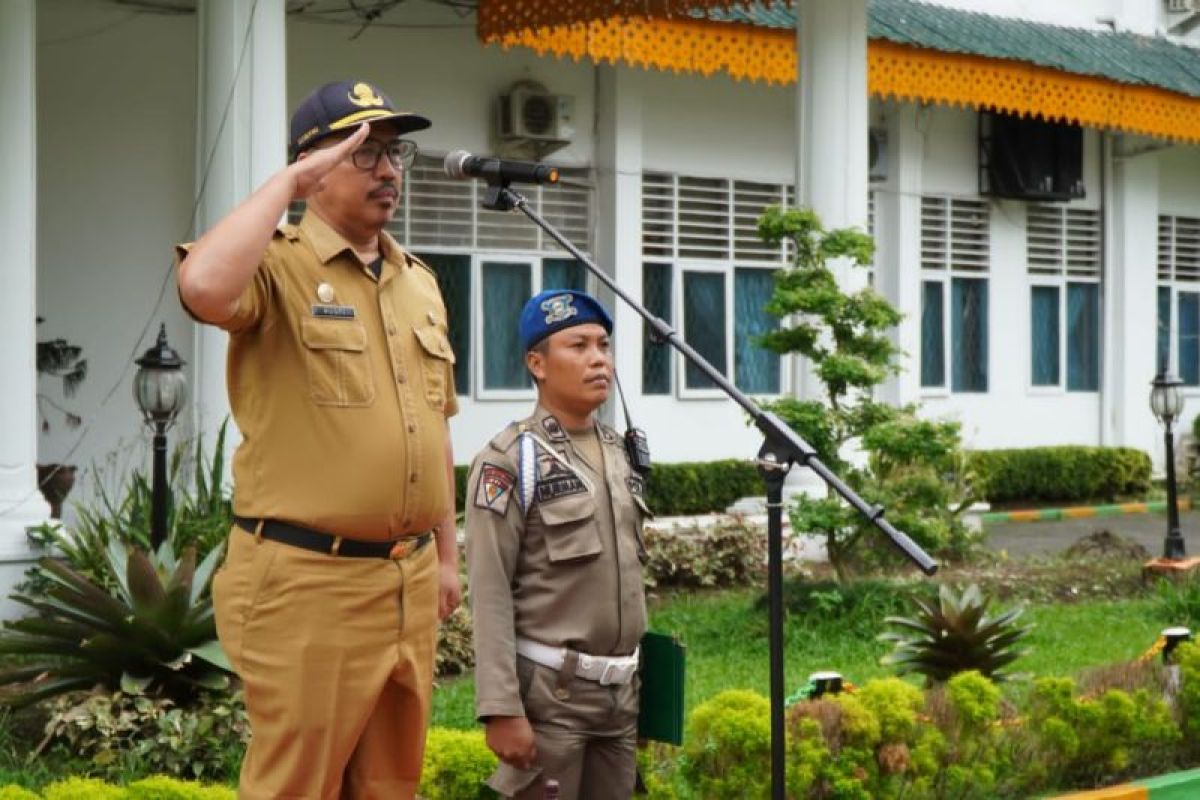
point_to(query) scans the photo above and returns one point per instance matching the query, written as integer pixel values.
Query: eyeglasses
(401, 153)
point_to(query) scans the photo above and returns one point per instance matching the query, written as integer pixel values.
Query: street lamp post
(159, 388)
(1167, 404)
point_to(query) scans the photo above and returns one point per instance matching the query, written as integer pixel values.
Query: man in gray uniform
(555, 553)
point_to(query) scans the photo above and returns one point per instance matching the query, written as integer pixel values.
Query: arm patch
(494, 489)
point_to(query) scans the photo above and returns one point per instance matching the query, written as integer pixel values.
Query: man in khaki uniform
(555, 553)
(340, 380)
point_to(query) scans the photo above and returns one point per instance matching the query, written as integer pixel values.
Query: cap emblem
(559, 308)
(363, 95)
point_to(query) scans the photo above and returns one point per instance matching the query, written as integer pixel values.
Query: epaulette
(413, 261)
(504, 440)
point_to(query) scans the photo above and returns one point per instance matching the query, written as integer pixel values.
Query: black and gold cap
(344, 105)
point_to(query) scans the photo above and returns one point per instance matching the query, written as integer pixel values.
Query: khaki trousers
(586, 736)
(336, 656)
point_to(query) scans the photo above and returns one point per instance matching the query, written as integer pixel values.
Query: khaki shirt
(340, 386)
(567, 573)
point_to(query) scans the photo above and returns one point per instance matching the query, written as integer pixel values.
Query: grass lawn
(726, 635)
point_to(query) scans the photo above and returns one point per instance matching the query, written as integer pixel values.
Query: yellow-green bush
(727, 746)
(17, 793)
(82, 789)
(162, 787)
(456, 765)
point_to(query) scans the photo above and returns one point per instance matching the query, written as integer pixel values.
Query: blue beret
(555, 309)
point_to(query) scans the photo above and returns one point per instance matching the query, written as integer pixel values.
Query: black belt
(307, 538)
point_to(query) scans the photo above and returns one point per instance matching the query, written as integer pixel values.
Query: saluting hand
(511, 739)
(309, 171)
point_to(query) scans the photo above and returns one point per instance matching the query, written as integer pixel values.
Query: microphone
(461, 164)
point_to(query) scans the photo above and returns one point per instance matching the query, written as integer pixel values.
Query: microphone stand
(781, 448)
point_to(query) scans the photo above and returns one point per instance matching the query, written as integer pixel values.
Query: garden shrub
(120, 731)
(82, 789)
(17, 793)
(455, 652)
(1187, 656)
(456, 765)
(728, 553)
(1065, 473)
(727, 745)
(161, 787)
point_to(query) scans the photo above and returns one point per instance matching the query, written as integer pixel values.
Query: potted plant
(63, 360)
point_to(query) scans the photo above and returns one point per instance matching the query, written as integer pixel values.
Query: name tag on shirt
(333, 312)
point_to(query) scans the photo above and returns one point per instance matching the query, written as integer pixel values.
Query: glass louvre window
(564, 273)
(756, 369)
(933, 340)
(656, 356)
(454, 279)
(704, 324)
(1083, 337)
(506, 287)
(1162, 362)
(1044, 324)
(1189, 338)
(955, 239)
(969, 334)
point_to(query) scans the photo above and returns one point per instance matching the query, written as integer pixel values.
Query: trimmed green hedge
(690, 487)
(1055, 474)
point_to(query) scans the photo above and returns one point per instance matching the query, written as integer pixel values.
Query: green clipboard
(660, 709)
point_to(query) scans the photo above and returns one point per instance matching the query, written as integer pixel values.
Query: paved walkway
(1149, 530)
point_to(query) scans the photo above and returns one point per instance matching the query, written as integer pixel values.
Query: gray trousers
(586, 736)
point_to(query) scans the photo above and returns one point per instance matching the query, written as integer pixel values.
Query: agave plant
(954, 635)
(153, 633)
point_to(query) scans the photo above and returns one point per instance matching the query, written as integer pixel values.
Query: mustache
(386, 186)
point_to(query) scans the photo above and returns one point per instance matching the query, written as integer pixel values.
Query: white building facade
(135, 123)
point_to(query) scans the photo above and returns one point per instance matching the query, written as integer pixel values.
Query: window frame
(533, 262)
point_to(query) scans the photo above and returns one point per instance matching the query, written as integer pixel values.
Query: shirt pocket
(570, 528)
(437, 357)
(338, 365)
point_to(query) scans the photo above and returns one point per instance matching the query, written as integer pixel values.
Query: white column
(21, 505)
(1130, 299)
(832, 160)
(898, 239)
(619, 215)
(242, 141)
(831, 166)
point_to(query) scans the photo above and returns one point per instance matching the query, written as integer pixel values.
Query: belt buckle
(614, 673)
(403, 548)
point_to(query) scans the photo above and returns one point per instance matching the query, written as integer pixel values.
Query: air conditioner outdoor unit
(1183, 6)
(877, 164)
(528, 114)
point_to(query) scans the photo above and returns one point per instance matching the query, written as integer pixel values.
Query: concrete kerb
(1080, 512)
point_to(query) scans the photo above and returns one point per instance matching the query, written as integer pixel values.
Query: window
(1179, 291)
(506, 287)
(705, 262)
(656, 356)
(1063, 255)
(756, 368)
(454, 278)
(954, 259)
(489, 263)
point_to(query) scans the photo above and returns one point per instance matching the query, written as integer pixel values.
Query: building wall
(116, 167)
(116, 117)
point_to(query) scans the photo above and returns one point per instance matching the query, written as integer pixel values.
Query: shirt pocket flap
(568, 509)
(434, 342)
(570, 528)
(333, 334)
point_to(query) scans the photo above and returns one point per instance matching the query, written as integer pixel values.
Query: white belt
(605, 670)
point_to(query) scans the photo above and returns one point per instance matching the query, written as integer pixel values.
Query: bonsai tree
(911, 466)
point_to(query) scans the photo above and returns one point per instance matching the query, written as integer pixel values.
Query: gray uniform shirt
(567, 572)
